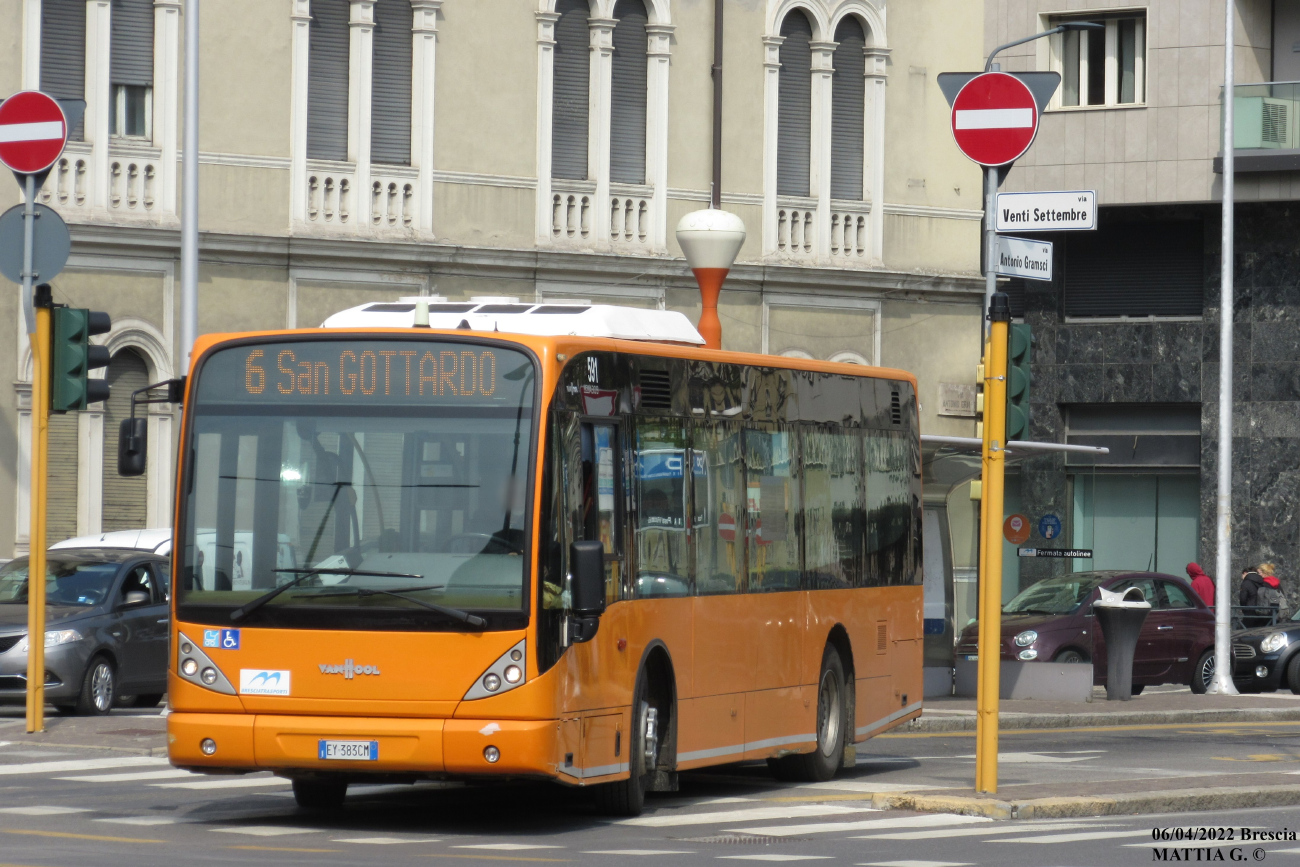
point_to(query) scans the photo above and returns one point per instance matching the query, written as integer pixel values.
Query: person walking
(1201, 583)
(1248, 598)
(1270, 594)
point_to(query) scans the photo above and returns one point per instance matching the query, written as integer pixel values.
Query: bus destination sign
(365, 371)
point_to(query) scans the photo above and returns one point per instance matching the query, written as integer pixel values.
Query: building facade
(359, 150)
(1126, 349)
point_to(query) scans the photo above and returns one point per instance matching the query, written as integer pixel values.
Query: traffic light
(73, 356)
(1019, 348)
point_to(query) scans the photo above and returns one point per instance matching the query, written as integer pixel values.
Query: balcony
(1266, 128)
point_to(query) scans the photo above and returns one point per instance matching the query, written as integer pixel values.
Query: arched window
(569, 98)
(125, 506)
(390, 100)
(848, 92)
(628, 105)
(327, 81)
(794, 112)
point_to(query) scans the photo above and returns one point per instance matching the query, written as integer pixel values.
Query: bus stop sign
(994, 119)
(33, 131)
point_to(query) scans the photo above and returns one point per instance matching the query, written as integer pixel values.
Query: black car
(1267, 658)
(106, 629)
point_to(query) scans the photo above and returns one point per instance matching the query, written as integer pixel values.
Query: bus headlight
(1272, 642)
(194, 666)
(501, 676)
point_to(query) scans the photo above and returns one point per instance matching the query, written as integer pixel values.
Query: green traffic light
(73, 356)
(1020, 343)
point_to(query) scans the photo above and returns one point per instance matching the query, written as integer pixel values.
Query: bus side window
(601, 493)
(717, 495)
(832, 466)
(772, 498)
(662, 553)
(889, 509)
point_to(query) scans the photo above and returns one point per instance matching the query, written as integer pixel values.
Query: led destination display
(365, 372)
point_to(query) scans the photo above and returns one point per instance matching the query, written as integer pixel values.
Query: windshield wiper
(249, 607)
(400, 593)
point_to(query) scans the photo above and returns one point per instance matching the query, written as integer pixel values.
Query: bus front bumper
(417, 747)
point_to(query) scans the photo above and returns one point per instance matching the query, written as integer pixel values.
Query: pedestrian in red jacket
(1201, 583)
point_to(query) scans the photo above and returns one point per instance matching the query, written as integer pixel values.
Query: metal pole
(1222, 683)
(990, 627)
(715, 194)
(36, 557)
(990, 253)
(29, 243)
(190, 188)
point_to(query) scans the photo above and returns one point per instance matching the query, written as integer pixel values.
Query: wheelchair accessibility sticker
(225, 639)
(256, 681)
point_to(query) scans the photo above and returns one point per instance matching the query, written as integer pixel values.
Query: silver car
(106, 629)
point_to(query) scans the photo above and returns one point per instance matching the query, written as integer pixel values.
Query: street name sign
(994, 119)
(1047, 212)
(33, 131)
(1023, 257)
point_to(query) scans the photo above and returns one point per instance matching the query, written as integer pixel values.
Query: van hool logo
(348, 669)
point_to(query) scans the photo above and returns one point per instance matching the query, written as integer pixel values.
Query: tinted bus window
(889, 511)
(832, 465)
(773, 504)
(662, 555)
(718, 490)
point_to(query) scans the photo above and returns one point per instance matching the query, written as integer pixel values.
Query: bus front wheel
(627, 797)
(822, 763)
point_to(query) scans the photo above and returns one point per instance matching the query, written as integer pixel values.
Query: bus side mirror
(132, 446)
(587, 562)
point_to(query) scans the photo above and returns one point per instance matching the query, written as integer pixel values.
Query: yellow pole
(36, 559)
(981, 614)
(991, 507)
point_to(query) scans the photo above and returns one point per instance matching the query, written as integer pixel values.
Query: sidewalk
(138, 732)
(1163, 704)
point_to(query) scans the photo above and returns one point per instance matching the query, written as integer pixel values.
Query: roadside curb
(1013, 721)
(36, 741)
(1170, 801)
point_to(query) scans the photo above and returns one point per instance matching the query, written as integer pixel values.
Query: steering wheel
(482, 543)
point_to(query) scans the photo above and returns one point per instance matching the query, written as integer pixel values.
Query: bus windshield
(385, 480)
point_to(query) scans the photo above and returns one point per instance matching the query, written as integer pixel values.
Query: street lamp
(1060, 28)
(711, 239)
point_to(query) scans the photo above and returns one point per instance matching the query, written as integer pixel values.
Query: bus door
(601, 510)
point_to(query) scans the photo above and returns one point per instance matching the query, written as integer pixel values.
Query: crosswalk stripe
(943, 833)
(384, 841)
(772, 856)
(42, 811)
(236, 783)
(794, 811)
(139, 820)
(506, 847)
(925, 821)
(131, 777)
(1075, 838)
(72, 767)
(264, 830)
(638, 852)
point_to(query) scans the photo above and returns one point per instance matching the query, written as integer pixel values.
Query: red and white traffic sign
(994, 118)
(33, 132)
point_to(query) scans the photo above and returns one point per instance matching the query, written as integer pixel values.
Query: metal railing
(1250, 616)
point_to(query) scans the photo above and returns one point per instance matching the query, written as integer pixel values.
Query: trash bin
(1120, 616)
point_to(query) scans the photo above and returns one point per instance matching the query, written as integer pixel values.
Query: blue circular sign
(1049, 526)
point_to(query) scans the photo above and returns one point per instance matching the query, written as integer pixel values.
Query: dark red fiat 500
(1052, 621)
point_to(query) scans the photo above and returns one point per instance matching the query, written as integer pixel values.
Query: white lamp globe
(710, 238)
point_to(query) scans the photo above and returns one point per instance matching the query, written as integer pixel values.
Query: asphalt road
(70, 806)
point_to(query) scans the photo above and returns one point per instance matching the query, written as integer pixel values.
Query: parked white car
(156, 539)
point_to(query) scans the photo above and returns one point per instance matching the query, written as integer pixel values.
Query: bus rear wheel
(320, 794)
(822, 763)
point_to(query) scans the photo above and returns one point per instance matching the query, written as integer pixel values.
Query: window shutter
(124, 496)
(390, 106)
(63, 53)
(569, 106)
(848, 93)
(327, 81)
(794, 118)
(61, 491)
(1136, 269)
(130, 52)
(628, 105)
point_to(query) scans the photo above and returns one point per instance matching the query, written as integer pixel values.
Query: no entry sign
(33, 131)
(994, 119)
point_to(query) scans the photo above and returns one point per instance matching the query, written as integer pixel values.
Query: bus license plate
(352, 751)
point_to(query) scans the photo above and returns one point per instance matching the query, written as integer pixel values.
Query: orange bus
(494, 548)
